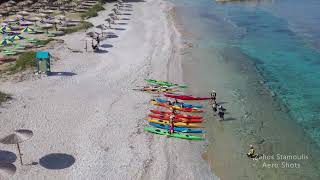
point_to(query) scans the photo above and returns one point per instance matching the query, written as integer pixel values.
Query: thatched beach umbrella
(115, 11)
(101, 27)
(12, 2)
(47, 11)
(23, 13)
(7, 170)
(113, 16)
(92, 34)
(37, 4)
(29, 2)
(60, 17)
(27, 23)
(109, 22)
(34, 19)
(17, 137)
(47, 27)
(41, 15)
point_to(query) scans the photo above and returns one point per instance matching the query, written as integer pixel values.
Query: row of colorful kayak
(184, 122)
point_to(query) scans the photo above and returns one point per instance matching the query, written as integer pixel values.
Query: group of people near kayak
(215, 106)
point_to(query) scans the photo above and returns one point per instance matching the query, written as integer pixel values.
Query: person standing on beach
(171, 121)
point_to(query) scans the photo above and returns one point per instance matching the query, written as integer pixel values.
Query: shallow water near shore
(263, 63)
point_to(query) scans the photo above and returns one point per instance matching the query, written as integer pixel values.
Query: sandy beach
(88, 113)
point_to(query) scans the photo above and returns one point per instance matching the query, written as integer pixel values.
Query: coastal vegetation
(93, 12)
(82, 25)
(4, 97)
(44, 42)
(24, 61)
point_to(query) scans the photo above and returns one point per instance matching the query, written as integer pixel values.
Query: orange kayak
(167, 117)
(177, 115)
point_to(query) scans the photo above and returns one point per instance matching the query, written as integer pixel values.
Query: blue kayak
(184, 105)
(177, 129)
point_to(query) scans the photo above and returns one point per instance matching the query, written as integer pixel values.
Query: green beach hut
(43, 62)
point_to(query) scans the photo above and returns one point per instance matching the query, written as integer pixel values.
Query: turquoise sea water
(282, 38)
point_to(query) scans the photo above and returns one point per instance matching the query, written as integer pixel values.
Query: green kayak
(176, 135)
(164, 83)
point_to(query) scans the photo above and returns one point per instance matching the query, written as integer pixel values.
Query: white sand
(94, 115)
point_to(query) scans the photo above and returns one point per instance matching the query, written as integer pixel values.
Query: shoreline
(93, 115)
(239, 87)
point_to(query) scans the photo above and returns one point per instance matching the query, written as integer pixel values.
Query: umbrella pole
(19, 153)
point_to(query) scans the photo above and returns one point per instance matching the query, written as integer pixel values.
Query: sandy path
(94, 115)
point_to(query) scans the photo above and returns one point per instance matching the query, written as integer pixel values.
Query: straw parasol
(29, 2)
(41, 15)
(47, 11)
(12, 2)
(17, 137)
(47, 27)
(7, 170)
(23, 13)
(92, 34)
(109, 22)
(101, 27)
(34, 20)
(60, 17)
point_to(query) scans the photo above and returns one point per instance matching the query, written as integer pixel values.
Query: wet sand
(254, 117)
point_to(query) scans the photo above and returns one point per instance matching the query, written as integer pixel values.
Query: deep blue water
(281, 37)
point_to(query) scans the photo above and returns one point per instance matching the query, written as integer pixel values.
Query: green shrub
(24, 61)
(92, 12)
(4, 97)
(44, 42)
(82, 25)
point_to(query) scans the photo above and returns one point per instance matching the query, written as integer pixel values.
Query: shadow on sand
(126, 19)
(57, 161)
(119, 29)
(133, 1)
(126, 14)
(7, 157)
(61, 74)
(122, 23)
(229, 119)
(106, 45)
(101, 51)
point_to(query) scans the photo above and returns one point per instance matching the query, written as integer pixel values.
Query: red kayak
(167, 117)
(177, 115)
(183, 97)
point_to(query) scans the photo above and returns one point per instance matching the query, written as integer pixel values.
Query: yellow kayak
(181, 124)
(194, 110)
